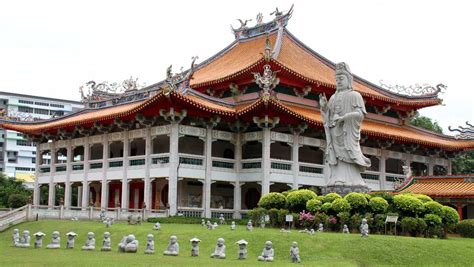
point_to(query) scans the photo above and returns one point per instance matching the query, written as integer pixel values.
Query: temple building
(212, 139)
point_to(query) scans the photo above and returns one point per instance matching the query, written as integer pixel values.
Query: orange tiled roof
(442, 187)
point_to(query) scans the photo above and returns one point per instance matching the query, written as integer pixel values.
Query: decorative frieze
(139, 133)
(45, 146)
(192, 131)
(116, 136)
(394, 155)
(371, 151)
(281, 137)
(60, 144)
(252, 136)
(309, 141)
(221, 135)
(418, 158)
(161, 130)
(78, 142)
(440, 161)
(96, 139)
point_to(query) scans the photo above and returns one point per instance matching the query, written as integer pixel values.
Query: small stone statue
(24, 240)
(295, 253)
(242, 253)
(16, 237)
(55, 241)
(364, 228)
(268, 253)
(214, 226)
(203, 223)
(128, 244)
(221, 219)
(283, 230)
(262, 222)
(70, 240)
(194, 247)
(345, 229)
(90, 242)
(311, 231)
(232, 226)
(209, 225)
(108, 222)
(150, 244)
(106, 243)
(321, 228)
(249, 226)
(157, 226)
(39, 239)
(219, 251)
(173, 247)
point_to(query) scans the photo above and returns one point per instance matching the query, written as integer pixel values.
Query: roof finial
(465, 133)
(268, 54)
(259, 19)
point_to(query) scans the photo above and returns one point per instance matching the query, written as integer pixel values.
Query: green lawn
(321, 249)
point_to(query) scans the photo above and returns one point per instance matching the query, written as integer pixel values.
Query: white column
(449, 168)
(79, 196)
(85, 183)
(67, 184)
(237, 199)
(147, 182)
(266, 163)
(125, 185)
(207, 181)
(295, 158)
(430, 166)
(104, 197)
(173, 168)
(36, 190)
(383, 173)
(52, 189)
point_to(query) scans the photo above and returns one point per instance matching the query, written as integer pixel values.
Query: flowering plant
(306, 218)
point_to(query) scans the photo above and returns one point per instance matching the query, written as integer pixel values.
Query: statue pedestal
(344, 189)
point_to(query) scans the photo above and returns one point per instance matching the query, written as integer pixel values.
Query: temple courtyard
(321, 249)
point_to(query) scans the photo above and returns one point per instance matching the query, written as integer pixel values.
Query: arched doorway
(252, 196)
(164, 196)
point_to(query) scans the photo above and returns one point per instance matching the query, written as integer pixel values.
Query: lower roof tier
(454, 186)
(200, 106)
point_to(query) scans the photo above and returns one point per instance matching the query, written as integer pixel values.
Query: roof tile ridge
(71, 114)
(206, 97)
(278, 43)
(445, 136)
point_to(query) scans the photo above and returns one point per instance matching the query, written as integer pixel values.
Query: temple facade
(213, 139)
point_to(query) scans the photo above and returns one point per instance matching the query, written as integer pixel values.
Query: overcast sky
(50, 48)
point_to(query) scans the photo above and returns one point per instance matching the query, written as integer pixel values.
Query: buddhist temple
(214, 138)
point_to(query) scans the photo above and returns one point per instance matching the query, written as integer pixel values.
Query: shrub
(432, 220)
(16, 201)
(344, 217)
(306, 219)
(314, 205)
(413, 226)
(378, 205)
(340, 205)
(256, 214)
(329, 198)
(423, 198)
(355, 222)
(379, 223)
(320, 218)
(434, 208)
(326, 207)
(384, 195)
(466, 228)
(449, 216)
(272, 201)
(408, 204)
(358, 201)
(296, 200)
(277, 216)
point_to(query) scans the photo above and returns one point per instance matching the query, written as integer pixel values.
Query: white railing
(160, 159)
(311, 169)
(13, 217)
(96, 164)
(191, 160)
(115, 163)
(191, 212)
(281, 166)
(137, 161)
(77, 166)
(371, 175)
(251, 165)
(228, 213)
(60, 167)
(223, 164)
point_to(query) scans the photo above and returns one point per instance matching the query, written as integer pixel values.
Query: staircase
(13, 217)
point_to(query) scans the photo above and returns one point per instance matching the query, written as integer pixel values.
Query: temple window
(394, 166)
(137, 147)
(96, 151)
(375, 163)
(223, 149)
(61, 155)
(439, 170)
(252, 150)
(419, 168)
(45, 158)
(280, 150)
(116, 149)
(191, 145)
(311, 154)
(161, 144)
(78, 154)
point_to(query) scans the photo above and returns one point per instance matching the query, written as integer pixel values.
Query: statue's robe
(343, 151)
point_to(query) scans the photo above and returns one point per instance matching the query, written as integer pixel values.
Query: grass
(322, 249)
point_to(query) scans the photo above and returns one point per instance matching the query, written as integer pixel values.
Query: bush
(378, 205)
(466, 228)
(256, 214)
(330, 197)
(16, 201)
(340, 205)
(277, 216)
(272, 201)
(423, 198)
(326, 207)
(344, 217)
(358, 201)
(432, 220)
(384, 195)
(355, 222)
(434, 208)
(297, 200)
(314, 205)
(320, 218)
(408, 204)
(449, 216)
(413, 226)
(379, 223)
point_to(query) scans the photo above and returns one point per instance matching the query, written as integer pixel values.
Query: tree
(426, 123)
(464, 163)
(9, 187)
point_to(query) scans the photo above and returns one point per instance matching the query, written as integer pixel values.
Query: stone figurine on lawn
(71, 237)
(16, 237)
(194, 247)
(157, 226)
(242, 253)
(219, 251)
(295, 253)
(209, 225)
(364, 228)
(55, 241)
(173, 247)
(345, 229)
(221, 219)
(249, 225)
(232, 226)
(39, 239)
(90, 242)
(150, 244)
(106, 242)
(128, 244)
(268, 253)
(25, 240)
(203, 223)
(321, 228)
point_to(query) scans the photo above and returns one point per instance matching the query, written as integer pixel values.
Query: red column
(459, 206)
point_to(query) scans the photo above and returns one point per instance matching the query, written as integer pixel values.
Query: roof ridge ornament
(280, 21)
(416, 90)
(179, 81)
(267, 81)
(465, 133)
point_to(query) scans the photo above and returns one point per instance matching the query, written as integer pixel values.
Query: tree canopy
(426, 123)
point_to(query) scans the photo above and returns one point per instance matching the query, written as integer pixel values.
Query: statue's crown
(343, 68)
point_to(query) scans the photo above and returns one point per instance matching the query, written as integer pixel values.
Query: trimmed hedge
(340, 205)
(378, 204)
(296, 200)
(329, 198)
(466, 228)
(313, 205)
(272, 201)
(357, 201)
(409, 205)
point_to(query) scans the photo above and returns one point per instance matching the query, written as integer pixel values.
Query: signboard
(391, 219)
(289, 218)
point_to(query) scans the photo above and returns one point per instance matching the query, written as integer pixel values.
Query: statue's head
(55, 234)
(294, 244)
(16, 231)
(173, 239)
(26, 233)
(233, 223)
(220, 242)
(90, 235)
(268, 244)
(343, 77)
(364, 221)
(130, 238)
(106, 235)
(149, 237)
